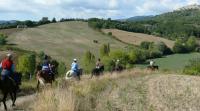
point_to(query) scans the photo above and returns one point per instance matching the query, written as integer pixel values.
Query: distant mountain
(9, 21)
(140, 18)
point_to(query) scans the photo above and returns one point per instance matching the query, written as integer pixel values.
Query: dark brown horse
(10, 86)
(97, 71)
(153, 68)
(44, 78)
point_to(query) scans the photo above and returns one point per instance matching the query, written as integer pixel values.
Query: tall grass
(86, 95)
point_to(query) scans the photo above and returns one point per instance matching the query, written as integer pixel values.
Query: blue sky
(115, 9)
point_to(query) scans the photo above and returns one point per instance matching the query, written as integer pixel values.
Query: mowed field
(174, 62)
(10, 31)
(63, 41)
(137, 38)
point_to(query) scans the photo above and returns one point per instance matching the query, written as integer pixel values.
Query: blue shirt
(74, 67)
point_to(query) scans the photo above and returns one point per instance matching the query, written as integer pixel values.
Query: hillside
(137, 38)
(63, 41)
(130, 91)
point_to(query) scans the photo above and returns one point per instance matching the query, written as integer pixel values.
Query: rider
(117, 64)
(7, 67)
(151, 63)
(98, 63)
(74, 68)
(46, 65)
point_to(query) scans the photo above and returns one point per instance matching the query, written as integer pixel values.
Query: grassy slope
(137, 38)
(132, 91)
(174, 62)
(63, 41)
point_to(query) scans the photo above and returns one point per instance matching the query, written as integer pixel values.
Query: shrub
(162, 47)
(104, 50)
(26, 64)
(108, 62)
(193, 68)
(2, 39)
(136, 56)
(110, 33)
(180, 46)
(146, 45)
(191, 44)
(121, 55)
(88, 61)
(62, 68)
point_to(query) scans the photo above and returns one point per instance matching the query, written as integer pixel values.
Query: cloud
(36, 9)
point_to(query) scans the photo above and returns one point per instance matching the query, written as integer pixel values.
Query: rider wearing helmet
(98, 63)
(74, 68)
(7, 67)
(46, 64)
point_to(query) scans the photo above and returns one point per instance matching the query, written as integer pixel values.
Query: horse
(44, 78)
(70, 75)
(153, 68)
(10, 85)
(117, 69)
(97, 71)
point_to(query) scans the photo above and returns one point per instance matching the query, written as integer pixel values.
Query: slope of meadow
(137, 38)
(134, 90)
(63, 41)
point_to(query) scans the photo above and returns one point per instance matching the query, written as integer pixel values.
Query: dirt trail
(23, 103)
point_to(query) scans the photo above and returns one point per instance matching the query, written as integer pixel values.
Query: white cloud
(35, 9)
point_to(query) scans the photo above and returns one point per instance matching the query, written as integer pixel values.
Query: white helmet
(9, 55)
(75, 60)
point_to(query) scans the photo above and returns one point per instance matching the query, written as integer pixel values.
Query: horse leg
(38, 85)
(4, 100)
(13, 97)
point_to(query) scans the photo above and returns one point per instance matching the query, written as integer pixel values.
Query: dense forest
(172, 25)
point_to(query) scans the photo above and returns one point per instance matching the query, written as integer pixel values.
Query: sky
(115, 9)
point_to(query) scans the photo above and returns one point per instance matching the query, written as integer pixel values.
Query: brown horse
(10, 86)
(153, 68)
(44, 78)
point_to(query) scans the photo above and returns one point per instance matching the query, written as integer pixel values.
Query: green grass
(173, 62)
(63, 41)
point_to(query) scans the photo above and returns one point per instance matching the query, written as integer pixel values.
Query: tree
(88, 61)
(104, 50)
(180, 46)
(191, 43)
(2, 39)
(54, 20)
(26, 64)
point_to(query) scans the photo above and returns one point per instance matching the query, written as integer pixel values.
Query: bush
(62, 68)
(155, 54)
(191, 44)
(104, 50)
(180, 47)
(108, 62)
(137, 56)
(121, 55)
(88, 62)
(193, 68)
(110, 33)
(3, 39)
(162, 47)
(26, 64)
(146, 45)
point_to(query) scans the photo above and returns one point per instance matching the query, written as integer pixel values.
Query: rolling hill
(63, 41)
(137, 38)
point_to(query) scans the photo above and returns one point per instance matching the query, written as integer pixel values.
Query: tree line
(172, 25)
